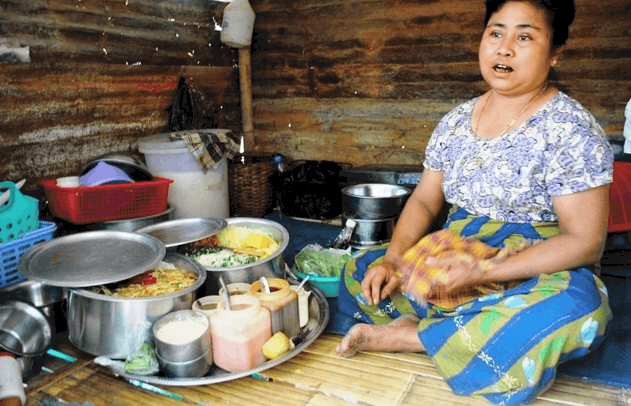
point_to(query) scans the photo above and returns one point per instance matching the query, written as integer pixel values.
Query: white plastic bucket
(193, 193)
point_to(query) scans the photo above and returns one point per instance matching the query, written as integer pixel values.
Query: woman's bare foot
(399, 335)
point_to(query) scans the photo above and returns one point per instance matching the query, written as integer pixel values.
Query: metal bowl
(24, 330)
(187, 369)
(193, 348)
(375, 200)
(270, 267)
(50, 300)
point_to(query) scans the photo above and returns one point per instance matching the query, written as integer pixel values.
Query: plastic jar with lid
(238, 335)
(282, 302)
(193, 193)
(11, 389)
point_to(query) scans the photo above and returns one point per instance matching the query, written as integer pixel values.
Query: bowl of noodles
(243, 252)
(116, 319)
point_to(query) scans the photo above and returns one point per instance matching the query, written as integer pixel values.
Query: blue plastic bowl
(103, 174)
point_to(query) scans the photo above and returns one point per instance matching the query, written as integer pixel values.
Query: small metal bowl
(192, 348)
(50, 300)
(24, 330)
(187, 369)
(375, 200)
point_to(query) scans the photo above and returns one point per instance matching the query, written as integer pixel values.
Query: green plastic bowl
(327, 284)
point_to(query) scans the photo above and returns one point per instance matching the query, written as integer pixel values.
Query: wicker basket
(250, 180)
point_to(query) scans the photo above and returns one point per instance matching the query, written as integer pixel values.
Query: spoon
(264, 285)
(226, 294)
(302, 283)
(5, 196)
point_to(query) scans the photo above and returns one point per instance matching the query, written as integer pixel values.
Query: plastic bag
(316, 260)
(143, 361)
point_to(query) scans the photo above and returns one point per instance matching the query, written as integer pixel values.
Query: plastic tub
(193, 192)
(329, 285)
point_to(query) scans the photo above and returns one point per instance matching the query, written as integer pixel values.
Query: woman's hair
(560, 15)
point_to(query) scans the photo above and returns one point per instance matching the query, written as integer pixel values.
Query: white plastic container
(10, 380)
(193, 193)
(237, 24)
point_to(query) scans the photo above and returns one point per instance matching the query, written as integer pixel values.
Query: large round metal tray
(91, 258)
(318, 320)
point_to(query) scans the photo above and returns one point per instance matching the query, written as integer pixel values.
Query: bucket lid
(91, 258)
(171, 142)
(161, 143)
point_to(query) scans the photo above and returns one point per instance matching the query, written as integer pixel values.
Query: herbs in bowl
(233, 246)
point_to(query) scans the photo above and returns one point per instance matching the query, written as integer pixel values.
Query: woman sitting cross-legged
(506, 291)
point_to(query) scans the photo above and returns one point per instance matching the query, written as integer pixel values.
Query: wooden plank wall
(103, 73)
(358, 81)
(367, 81)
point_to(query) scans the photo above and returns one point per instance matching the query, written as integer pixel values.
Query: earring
(554, 63)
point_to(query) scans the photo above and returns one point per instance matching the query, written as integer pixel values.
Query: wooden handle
(245, 84)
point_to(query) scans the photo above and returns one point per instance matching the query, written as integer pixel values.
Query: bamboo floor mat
(315, 377)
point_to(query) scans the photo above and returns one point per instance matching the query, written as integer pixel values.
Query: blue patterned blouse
(559, 150)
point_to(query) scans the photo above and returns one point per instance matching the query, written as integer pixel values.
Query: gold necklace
(516, 117)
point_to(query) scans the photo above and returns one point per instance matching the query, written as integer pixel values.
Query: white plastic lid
(160, 143)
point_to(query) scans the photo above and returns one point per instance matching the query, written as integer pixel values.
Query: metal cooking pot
(375, 200)
(370, 232)
(270, 267)
(116, 327)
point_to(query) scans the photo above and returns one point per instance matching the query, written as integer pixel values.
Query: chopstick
(161, 391)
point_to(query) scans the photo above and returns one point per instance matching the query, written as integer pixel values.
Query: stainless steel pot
(375, 200)
(370, 232)
(116, 327)
(270, 267)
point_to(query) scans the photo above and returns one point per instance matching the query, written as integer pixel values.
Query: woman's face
(515, 51)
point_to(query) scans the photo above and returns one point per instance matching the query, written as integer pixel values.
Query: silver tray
(318, 320)
(91, 258)
(183, 231)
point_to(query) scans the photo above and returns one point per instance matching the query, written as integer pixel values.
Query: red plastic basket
(93, 204)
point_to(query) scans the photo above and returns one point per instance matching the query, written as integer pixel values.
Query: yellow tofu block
(258, 241)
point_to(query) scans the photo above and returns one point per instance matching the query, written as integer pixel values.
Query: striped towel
(209, 147)
(424, 281)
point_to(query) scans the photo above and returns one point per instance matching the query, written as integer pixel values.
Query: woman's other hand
(460, 273)
(380, 281)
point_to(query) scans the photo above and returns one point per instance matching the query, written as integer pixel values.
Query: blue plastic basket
(11, 252)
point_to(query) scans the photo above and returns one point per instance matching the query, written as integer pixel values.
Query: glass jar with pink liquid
(238, 335)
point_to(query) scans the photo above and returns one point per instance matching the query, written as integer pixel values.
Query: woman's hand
(460, 272)
(384, 273)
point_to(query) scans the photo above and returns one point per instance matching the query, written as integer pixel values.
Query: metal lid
(91, 258)
(183, 231)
